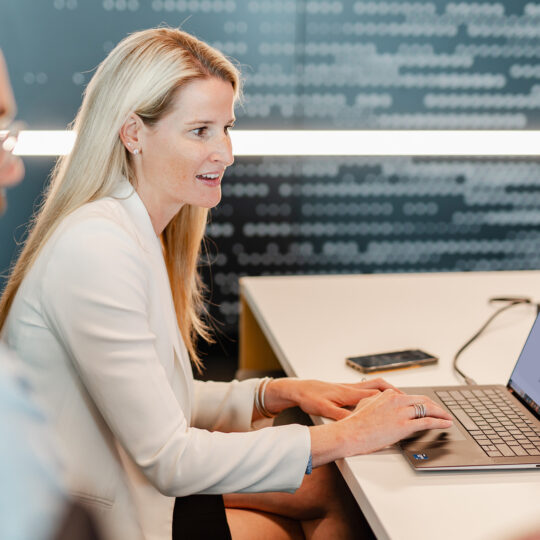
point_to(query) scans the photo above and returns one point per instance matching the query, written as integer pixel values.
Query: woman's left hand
(320, 398)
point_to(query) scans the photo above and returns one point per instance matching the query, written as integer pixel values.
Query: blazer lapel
(131, 202)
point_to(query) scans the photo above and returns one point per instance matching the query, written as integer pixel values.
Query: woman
(105, 302)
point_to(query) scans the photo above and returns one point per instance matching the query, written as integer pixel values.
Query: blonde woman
(104, 304)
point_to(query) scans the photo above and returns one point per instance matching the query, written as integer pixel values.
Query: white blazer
(94, 320)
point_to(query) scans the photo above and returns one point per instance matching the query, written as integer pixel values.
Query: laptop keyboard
(494, 421)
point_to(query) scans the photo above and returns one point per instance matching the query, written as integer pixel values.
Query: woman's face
(11, 167)
(183, 157)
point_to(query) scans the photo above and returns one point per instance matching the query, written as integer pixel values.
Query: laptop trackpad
(437, 436)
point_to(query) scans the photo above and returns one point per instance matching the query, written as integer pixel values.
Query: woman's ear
(130, 134)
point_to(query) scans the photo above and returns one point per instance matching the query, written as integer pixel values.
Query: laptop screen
(525, 379)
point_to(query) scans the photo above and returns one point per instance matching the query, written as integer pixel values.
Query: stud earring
(136, 151)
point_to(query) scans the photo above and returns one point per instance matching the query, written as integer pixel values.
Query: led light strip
(335, 143)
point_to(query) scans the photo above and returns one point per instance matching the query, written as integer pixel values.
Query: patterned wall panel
(325, 64)
(373, 215)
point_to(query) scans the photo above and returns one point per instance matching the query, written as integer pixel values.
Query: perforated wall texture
(317, 64)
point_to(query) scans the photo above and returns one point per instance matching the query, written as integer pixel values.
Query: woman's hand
(321, 398)
(396, 415)
(377, 422)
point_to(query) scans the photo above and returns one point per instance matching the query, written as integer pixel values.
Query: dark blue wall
(324, 64)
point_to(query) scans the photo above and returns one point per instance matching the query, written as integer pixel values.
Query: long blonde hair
(141, 74)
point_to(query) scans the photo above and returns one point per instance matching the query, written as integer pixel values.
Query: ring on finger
(419, 410)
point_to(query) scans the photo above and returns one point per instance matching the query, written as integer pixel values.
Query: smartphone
(391, 360)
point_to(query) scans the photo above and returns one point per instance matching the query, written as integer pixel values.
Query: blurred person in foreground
(104, 304)
(33, 500)
(31, 496)
(11, 167)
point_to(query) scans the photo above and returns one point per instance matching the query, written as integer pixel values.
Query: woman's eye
(200, 132)
(228, 128)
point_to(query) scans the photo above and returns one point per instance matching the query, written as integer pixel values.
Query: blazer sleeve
(94, 298)
(224, 406)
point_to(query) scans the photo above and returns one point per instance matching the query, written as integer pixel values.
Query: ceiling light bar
(44, 143)
(336, 143)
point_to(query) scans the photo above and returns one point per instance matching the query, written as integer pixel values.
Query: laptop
(495, 426)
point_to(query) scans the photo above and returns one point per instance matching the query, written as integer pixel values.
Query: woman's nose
(223, 152)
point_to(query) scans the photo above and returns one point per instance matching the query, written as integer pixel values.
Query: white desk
(311, 323)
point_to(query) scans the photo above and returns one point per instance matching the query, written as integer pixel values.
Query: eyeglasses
(8, 141)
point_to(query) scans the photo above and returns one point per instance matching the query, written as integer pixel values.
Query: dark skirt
(200, 517)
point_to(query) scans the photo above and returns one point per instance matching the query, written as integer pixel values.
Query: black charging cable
(510, 301)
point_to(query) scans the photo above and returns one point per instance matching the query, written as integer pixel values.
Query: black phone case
(395, 360)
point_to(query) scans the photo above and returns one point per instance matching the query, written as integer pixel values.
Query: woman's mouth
(210, 179)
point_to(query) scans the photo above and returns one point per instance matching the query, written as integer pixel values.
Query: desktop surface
(312, 323)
